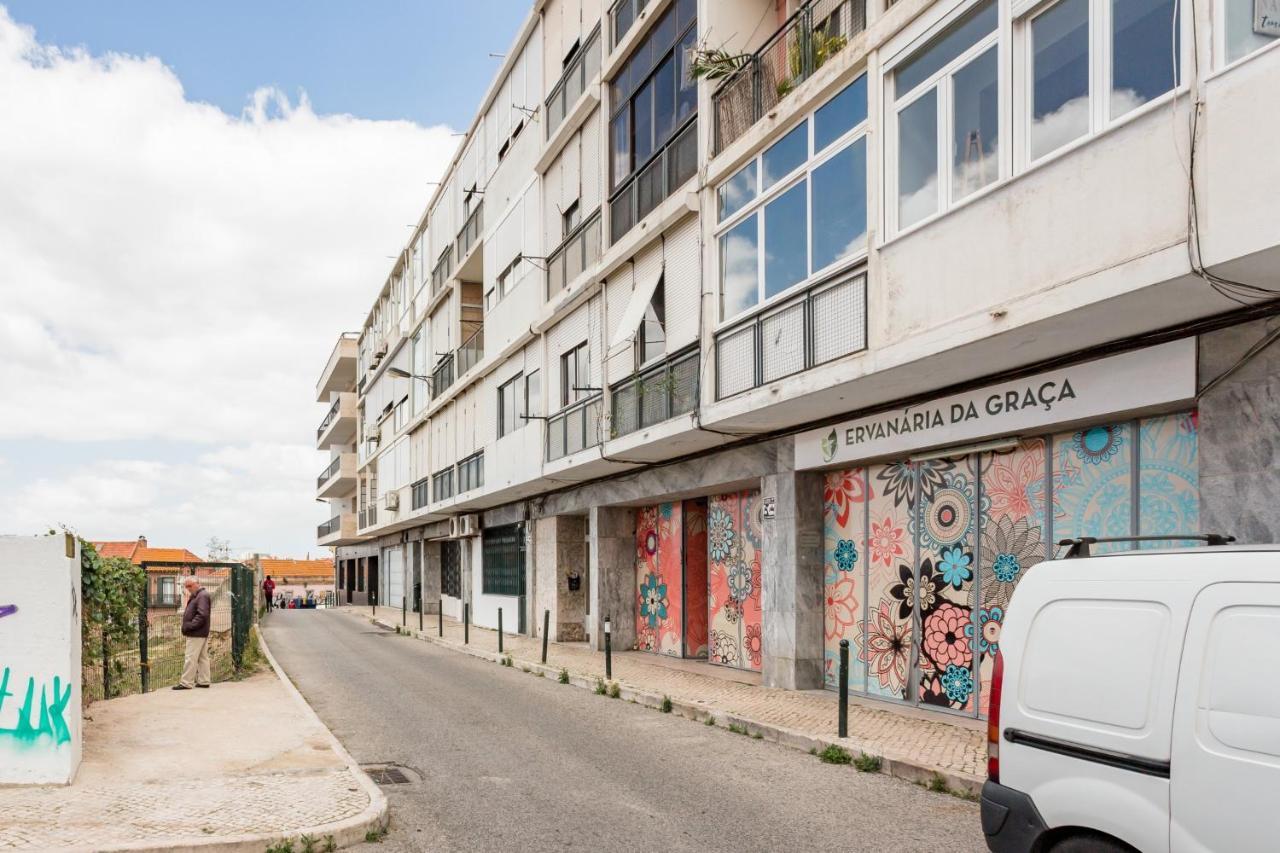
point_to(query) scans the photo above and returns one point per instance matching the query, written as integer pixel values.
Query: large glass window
(575, 375)
(1059, 76)
(533, 393)
(798, 208)
(651, 337)
(1239, 37)
(946, 99)
(509, 405)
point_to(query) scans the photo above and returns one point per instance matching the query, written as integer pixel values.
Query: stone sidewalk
(232, 768)
(912, 744)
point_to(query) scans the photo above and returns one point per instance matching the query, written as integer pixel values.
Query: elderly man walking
(195, 627)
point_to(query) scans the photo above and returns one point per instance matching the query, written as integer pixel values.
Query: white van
(1135, 704)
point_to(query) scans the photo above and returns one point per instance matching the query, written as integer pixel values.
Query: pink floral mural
(735, 636)
(659, 579)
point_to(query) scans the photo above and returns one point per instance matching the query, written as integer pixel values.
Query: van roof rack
(1079, 547)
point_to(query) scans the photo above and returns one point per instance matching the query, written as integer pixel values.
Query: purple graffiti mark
(8, 610)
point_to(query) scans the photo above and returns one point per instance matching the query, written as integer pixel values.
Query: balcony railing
(676, 163)
(329, 472)
(657, 394)
(442, 484)
(578, 252)
(470, 233)
(330, 527)
(421, 491)
(622, 14)
(573, 82)
(822, 323)
(574, 429)
(368, 517)
(328, 419)
(471, 351)
(442, 376)
(443, 269)
(809, 38)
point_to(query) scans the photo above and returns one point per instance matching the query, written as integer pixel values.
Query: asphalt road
(509, 761)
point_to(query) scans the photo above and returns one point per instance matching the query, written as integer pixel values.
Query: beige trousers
(195, 662)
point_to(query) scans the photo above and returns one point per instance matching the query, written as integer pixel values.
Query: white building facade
(759, 325)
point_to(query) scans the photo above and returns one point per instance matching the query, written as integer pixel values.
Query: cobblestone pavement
(178, 768)
(910, 737)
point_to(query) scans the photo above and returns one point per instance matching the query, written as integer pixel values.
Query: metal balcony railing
(471, 351)
(574, 429)
(470, 233)
(622, 14)
(331, 526)
(654, 395)
(578, 252)
(810, 37)
(443, 269)
(329, 472)
(442, 376)
(328, 419)
(821, 323)
(573, 82)
(368, 517)
(421, 491)
(675, 163)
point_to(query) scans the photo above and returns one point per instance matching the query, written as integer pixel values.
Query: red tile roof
(138, 552)
(295, 569)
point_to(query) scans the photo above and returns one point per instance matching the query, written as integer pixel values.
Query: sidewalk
(232, 768)
(912, 744)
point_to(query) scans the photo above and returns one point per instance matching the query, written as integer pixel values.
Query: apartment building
(753, 325)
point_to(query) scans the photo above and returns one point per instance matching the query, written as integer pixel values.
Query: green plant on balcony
(717, 63)
(807, 52)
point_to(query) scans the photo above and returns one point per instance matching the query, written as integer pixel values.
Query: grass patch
(834, 754)
(601, 689)
(737, 729)
(375, 836)
(284, 845)
(615, 691)
(937, 784)
(665, 707)
(867, 763)
(711, 721)
(564, 676)
(507, 661)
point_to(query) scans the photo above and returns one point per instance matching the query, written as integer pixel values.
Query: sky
(192, 208)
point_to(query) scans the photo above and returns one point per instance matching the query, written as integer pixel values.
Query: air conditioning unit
(393, 501)
(464, 525)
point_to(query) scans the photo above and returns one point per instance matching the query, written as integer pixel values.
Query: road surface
(509, 761)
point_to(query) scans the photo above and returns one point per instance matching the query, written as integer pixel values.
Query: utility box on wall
(40, 703)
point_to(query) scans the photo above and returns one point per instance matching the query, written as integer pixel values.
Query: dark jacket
(195, 619)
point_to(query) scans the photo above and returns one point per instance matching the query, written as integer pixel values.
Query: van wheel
(1089, 842)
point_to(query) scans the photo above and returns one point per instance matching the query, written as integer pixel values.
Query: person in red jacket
(269, 587)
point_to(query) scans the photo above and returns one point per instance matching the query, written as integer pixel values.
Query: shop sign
(1156, 376)
(1266, 17)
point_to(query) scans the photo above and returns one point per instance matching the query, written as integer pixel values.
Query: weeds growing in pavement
(330, 846)
(615, 690)
(737, 729)
(757, 736)
(507, 661)
(284, 845)
(308, 843)
(711, 721)
(666, 705)
(375, 836)
(601, 690)
(834, 754)
(937, 784)
(867, 763)
(564, 676)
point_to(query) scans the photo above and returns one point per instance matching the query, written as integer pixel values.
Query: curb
(898, 767)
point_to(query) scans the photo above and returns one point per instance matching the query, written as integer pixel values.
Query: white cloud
(173, 272)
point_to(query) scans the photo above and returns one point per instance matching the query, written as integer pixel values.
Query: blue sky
(423, 60)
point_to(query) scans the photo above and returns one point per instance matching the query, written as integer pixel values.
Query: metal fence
(333, 525)
(655, 395)
(153, 658)
(574, 429)
(330, 471)
(821, 323)
(809, 38)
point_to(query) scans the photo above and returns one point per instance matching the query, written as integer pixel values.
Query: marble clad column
(613, 574)
(792, 569)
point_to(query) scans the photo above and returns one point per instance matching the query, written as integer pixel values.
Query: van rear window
(1095, 661)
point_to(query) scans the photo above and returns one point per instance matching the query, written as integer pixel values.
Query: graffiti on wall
(922, 558)
(46, 724)
(8, 610)
(659, 610)
(733, 565)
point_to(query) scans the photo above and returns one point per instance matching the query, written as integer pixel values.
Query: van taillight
(993, 720)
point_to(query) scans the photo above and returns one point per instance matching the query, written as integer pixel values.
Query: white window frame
(1220, 60)
(516, 384)
(780, 186)
(941, 82)
(1100, 69)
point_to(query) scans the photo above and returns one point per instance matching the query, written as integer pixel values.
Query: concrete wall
(1240, 435)
(613, 575)
(560, 549)
(40, 702)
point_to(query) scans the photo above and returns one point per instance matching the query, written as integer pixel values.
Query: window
(471, 472)
(533, 394)
(505, 284)
(798, 208)
(569, 219)
(509, 406)
(450, 568)
(1239, 38)
(502, 560)
(651, 337)
(402, 414)
(575, 375)
(1092, 62)
(946, 100)
(420, 361)
(442, 484)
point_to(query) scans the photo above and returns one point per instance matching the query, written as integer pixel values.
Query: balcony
(579, 251)
(339, 372)
(666, 172)
(470, 233)
(655, 395)
(339, 530)
(368, 517)
(809, 38)
(573, 82)
(442, 271)
(338, 478)
(339, 424)
(821, 323)
(574, 429)
(442, 377)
